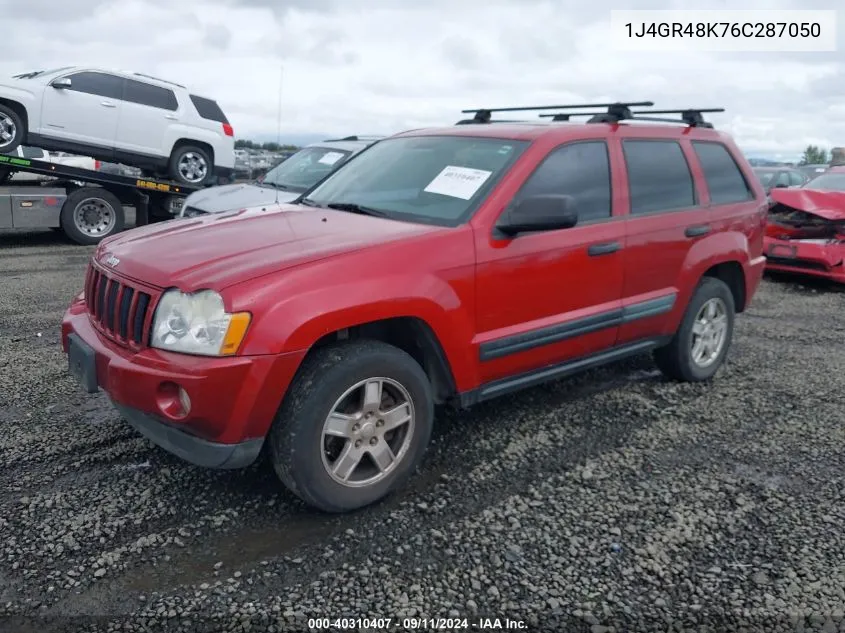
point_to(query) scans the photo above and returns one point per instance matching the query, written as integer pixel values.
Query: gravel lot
(613, 502)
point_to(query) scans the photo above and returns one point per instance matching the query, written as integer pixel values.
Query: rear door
(146, 114)
(666, 218)
(86, 112)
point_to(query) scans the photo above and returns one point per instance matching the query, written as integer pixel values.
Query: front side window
(99, 84)
(659, 177)
(580, 170)
(428, 179)
(305, 168)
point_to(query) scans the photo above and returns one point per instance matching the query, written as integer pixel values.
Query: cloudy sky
(381, 66)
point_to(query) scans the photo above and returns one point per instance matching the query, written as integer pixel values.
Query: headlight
(197, 324)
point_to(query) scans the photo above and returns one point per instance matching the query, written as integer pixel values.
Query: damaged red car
(806, 228)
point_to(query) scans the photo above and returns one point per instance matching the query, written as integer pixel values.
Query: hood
(236, 197)
(216, 251)
(829, 205)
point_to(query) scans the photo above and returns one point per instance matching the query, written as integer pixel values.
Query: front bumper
(233, 401)
(814, 258)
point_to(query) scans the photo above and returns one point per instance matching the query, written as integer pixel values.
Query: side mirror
(61, 84)
(539, 213)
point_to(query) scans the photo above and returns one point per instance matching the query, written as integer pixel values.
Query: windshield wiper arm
(308, 202)
(356, 208)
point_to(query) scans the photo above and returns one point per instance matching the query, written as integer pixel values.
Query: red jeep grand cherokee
(439, 265)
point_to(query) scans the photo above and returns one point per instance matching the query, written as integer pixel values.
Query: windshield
(765, 175)
(429, 179)
(828, 182)
(305, 168)
(40, 73)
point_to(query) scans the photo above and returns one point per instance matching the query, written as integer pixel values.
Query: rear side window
(659, 177)
(580, 170)
(724, 179)
(99, 84)
(149, 95)
(208, 109)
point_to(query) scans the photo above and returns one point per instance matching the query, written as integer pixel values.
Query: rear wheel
(354, 425)
(701, 344)
(91, 214)
(12, 129)
(191, 165)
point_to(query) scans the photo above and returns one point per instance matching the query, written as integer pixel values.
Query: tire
(198, 156)
(5, 175)
(82, 206)
(676, 360)
(11, 126)
(302, 455)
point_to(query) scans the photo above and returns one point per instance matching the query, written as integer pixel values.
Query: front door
(550, 296)
(86, 112)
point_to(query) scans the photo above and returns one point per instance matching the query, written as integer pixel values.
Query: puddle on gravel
(237, 551)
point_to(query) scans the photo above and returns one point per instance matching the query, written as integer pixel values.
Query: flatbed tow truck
(85, 204)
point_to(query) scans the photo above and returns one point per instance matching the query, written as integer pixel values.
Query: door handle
(107, 104)
(697, 231)
(172, 117)
(605, 248)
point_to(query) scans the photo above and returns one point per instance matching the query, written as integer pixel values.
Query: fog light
(173, 401)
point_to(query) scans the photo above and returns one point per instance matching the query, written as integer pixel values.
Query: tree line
(269, 147)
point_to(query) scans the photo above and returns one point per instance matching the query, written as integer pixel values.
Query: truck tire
(700, 345)
(191, 165)
(12, 129)
(90, 214)
(354, 425)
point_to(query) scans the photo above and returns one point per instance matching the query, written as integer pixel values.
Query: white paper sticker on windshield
(330, 158)
(458, 182)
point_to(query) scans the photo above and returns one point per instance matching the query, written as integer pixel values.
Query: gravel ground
(613, 502)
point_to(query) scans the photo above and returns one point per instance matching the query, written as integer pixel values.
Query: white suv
(120, 117)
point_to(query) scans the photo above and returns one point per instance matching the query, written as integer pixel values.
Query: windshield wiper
(308, 202)
(274, 185)
(357, 208)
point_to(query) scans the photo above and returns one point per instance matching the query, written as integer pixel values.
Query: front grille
(120, 310)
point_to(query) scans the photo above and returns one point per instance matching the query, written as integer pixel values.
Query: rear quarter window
(722, 175)
(208, 109)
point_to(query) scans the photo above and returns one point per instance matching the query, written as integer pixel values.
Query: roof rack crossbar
(164, 81)
(564, 116)
(483, 115)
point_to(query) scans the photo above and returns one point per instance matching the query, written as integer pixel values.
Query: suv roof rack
(484, 115)
(164, 81)
(620, 112)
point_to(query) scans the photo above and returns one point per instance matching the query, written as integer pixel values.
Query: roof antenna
(279, 121)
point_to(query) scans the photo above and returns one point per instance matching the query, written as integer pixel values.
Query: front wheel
(354, 425)
(701, 343)
(12, 130)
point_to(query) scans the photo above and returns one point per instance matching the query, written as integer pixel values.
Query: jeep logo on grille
(112, 261)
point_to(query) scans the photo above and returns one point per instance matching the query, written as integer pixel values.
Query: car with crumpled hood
(283, 183)
(806, 228)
